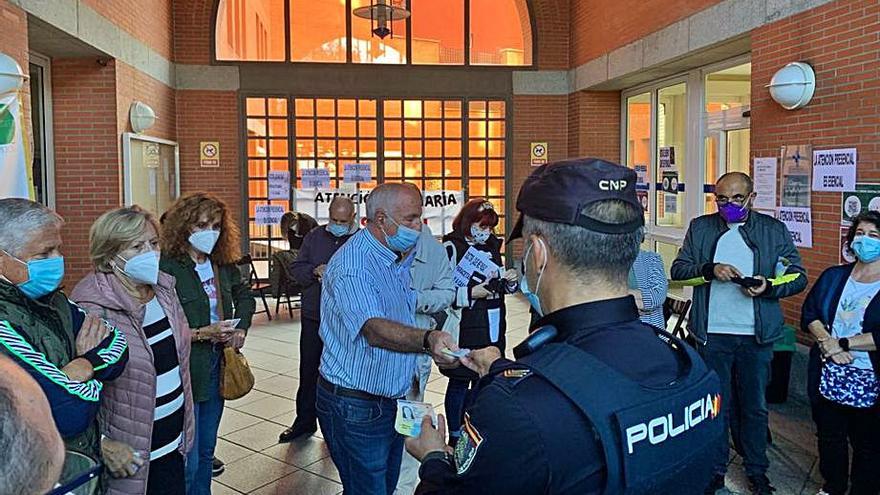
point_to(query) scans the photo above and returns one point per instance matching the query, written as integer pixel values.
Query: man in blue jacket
(742, 263)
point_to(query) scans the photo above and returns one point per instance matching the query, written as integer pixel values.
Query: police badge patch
(466, 448)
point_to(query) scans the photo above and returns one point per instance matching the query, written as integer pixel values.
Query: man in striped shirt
(371, 342)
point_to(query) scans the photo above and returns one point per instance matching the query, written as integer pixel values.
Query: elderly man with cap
(597, 401)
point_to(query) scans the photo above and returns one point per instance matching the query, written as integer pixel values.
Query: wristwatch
(426, 345)
(444, 456)
(843, 343)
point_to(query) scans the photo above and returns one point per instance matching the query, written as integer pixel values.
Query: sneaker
(298, 429)
(760, 485)
(716, 484)
(217, 468)
(822, 492)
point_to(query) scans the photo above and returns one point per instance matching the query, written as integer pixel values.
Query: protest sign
(473, 262)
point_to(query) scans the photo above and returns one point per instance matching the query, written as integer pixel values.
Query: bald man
(749, 262)
(31, 449)
(317, 248)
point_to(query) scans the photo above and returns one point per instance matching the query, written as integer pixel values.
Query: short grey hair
(591, 254)
(26, 457)
(21, 220)
(386, 196)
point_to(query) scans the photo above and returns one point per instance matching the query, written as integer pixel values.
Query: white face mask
(204, 240)
(143, 268)
(479, 235)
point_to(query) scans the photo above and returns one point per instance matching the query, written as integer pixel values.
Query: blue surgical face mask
(532, 296)
(867, 249)
(143, 268)
(479, 235)
(44, 276)
(337, 229)
(403, 240)
(204, 240)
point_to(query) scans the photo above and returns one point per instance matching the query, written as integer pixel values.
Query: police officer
(596, 402)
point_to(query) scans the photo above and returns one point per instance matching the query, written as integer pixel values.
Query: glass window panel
(638, 142)
(256, 107)
(278, 165)
(278, 127)
(392, 128)
(496, 128)
(452, 148)
(412, 109)
(452, 129)
(278, 148)
(326, 128)
(367, 108)
(433, 129)
(304, 107)
(367, 147)
(413, 168)
(452, 109)
(346, 108)
(393, 148)
(305, 147)
(496, 168)
(413, 149)
(256, 127)
(453, 184)
(392, 168)
(325, 108)
(347, 148)
(477, 109)
(477, 129)
(437, 32)
(412, 128)
(671, 134)
(433, 185)
(477, 148)
(393, 108)
(433, 149)
(367, 128)
(496, 148)
(496, 109)
(453, 168)
(248, 30)
(256, 168)
(305, 127)
(308, 44)
(257, 189)
(433, 168)
(496, 188)
(500, 33)
(477, 168)
(433, 109)
(256, 147)
(347, 128)
(476, 188)
(369, 49)
(326, 148)
(278, 107)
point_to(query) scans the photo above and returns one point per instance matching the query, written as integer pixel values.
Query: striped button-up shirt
(365, 280)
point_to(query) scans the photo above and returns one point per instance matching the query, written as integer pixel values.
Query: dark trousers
(838, 428)
(167, 475)
(742, 363)
(454, 404)
(310, 348)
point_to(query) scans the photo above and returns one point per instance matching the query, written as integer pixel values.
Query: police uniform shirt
(523, 436)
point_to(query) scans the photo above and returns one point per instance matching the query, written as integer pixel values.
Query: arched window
(438, 32)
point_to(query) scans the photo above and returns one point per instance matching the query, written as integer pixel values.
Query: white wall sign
(835, 170)
(268, 214)
(800, 225)
(667, 157)
(279, 184)
(357, 172)
(315, 178)
(765, 183)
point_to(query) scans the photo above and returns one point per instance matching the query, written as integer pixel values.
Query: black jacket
(317, 248)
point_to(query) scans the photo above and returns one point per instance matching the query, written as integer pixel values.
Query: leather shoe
(297, 430)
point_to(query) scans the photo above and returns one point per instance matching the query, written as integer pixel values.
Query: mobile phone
(747, 282)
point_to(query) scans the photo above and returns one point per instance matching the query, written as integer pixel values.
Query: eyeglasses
(738, 199)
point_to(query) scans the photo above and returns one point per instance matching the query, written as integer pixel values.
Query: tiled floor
(257, 464)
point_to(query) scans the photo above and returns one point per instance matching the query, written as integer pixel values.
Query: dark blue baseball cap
(558, 192)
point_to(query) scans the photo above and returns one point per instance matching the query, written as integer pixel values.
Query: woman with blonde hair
(146, 415)
(200, 245)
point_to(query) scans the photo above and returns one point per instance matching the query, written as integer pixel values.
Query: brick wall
(210, 116)
(841, 40)
(600, 26)
(87, 170)
(147, 20)
(133, 85)
(594, 124)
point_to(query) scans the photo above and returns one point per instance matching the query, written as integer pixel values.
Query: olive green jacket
(237, 302)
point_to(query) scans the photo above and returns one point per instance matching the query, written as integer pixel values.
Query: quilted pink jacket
(127, 403)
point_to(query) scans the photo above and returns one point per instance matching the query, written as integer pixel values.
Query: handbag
(849, 385)
(236, 378)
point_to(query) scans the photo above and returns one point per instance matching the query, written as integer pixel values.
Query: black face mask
(294, 240)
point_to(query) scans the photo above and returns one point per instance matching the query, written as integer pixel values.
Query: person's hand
(237, 339)
(481, 360)
(842, 358)
(480, 291)
(430, 439)
(725, 272)
(756, 291)
(121, 460)
(437, 341)
(511, 275)
(225, 332)
(91, 333)
(319, 271)
(829, 347)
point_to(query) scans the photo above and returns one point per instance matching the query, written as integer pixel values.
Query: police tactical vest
(655, 439)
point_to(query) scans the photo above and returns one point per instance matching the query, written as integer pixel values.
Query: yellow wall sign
(209, 152)
(539, 154)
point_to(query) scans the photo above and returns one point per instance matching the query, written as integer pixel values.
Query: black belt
(346, 392)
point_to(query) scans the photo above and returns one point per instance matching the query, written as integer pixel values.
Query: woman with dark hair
(483, 321)
(295, 226)
(200, 245)
(842, 312)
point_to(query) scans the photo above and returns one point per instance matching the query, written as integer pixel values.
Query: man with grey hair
(68, 352)
(31, 450)
(371, 342)
(318, 246)
(571, 415)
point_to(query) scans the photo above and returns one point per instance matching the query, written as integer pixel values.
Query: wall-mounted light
(11, 75)
(142, 117)
(793, 85)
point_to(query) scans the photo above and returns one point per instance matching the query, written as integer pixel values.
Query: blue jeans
(363, 443)
(199, 461)
(742, 363)
(454, 405)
